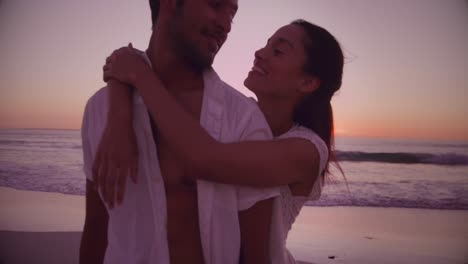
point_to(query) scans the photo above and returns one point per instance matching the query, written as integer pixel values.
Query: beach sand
(39, 227)
(39, 247)
(380, 235)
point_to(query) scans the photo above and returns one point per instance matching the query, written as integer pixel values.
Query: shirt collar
(212, 93)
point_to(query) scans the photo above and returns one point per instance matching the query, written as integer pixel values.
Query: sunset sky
(405, 74)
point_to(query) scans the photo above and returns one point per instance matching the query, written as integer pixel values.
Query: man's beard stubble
(186, 50)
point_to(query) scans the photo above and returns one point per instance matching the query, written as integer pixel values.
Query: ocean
(377, 172)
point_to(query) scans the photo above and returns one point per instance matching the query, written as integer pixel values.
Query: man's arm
(117, 153)
(94, 238)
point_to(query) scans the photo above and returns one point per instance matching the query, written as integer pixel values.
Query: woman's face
(278, 67)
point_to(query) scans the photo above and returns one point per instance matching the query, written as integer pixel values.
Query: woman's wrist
(147, 78)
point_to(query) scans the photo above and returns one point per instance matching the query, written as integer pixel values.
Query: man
(164, 217)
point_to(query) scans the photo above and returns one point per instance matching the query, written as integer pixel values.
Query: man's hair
(154, 5)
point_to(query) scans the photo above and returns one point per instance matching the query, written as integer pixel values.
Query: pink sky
(404, 76)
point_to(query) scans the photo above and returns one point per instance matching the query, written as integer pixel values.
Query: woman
(294, 78)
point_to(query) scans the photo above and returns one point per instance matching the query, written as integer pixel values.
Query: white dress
(287, 207)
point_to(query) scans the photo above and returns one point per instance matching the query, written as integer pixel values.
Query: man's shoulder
(97, 102)
(99, 97)
(95, 113)
(235, 100)
(242, 116)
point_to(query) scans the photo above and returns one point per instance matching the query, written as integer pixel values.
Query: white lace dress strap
(291, 205)
(307, 134)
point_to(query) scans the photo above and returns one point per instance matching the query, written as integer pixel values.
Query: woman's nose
(260, 53)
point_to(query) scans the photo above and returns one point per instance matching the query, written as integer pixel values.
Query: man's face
(199, 29)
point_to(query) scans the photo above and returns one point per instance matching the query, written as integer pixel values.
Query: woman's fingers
(110, 72)
(120, 51)
(117, 53)
(106, 72)
(107, 76)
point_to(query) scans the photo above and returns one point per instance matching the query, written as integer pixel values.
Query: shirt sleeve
(92, 128)
(255, 128)
(85, 141)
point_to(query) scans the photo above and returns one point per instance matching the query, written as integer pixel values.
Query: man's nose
(224, 21)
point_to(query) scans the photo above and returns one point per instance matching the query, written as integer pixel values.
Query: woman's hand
(126, 65)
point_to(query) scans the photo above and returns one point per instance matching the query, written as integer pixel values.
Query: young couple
(216, 177)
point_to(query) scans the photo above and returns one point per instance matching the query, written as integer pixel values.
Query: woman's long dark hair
(325, 61)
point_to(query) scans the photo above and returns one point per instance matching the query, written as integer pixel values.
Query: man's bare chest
(174, 169)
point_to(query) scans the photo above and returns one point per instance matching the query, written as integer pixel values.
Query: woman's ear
(309, 84)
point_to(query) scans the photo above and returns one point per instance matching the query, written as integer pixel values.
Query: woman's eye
(277, 52)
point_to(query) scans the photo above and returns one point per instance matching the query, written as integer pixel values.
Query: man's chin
(207, 55)
(209, 61)
(205, 61)
(201, 63)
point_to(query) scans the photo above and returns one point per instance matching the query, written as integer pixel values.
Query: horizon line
(337, 135)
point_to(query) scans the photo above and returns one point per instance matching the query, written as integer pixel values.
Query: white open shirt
(137, 228)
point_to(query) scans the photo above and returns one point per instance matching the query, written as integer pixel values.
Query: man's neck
(173, 71)
(278, 113)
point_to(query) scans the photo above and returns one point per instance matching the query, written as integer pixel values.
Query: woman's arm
(261, 163)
